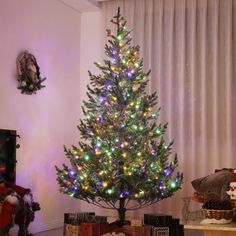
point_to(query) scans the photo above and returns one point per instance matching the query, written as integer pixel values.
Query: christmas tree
(122, 162)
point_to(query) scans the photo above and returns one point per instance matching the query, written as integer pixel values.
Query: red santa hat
(5, 191)
(19, 190)
(234, 180)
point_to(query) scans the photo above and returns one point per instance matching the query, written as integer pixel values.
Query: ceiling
(83, 5)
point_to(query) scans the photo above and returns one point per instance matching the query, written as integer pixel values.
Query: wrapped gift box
(77, 218)
(94, 219)
(160, 231)
(136, 222)
(136, 230)
(86, 229)
(164, 225)
(71, 230)
(84, 217)
(70, 218)
(181, 230)
(176, 229)
(158, 220)
(89, 229)
(104, 228)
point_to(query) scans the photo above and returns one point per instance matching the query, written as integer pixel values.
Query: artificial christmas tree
(122, 162)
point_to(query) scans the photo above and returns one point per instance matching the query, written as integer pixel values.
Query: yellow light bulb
(135, 88)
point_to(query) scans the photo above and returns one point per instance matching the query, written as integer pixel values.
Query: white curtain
(189, 45)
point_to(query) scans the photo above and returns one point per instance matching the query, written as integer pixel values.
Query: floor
(55, 232)
(59, 232)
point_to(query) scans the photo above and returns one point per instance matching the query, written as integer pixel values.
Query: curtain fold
(189, 47)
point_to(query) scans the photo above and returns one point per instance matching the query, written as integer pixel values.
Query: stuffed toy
(213, 187)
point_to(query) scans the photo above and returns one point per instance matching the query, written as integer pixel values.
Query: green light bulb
(158, 131)
(109, 191)
(141, 193)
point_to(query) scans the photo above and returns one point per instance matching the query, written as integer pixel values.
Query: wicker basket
(218, 214)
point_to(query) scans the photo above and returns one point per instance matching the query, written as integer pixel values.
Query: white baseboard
(37, 227)
(54, 224)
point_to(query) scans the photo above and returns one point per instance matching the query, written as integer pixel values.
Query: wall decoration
(28, 74)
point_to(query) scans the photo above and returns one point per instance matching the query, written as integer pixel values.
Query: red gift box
(134, 230)
(90, 229)
(104, 228)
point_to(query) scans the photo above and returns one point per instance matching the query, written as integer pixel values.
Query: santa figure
(18, 207)
(232, 191)
(7, 209)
